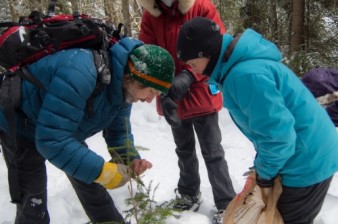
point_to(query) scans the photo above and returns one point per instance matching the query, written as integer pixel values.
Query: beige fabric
(152, 8)
(255, 205)
(328, 99)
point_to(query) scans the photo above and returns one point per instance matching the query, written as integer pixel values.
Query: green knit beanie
(153, 66)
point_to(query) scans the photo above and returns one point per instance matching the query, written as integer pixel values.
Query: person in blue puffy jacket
(291, 133)
(53, 123)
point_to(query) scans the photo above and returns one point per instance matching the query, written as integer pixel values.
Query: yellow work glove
(113, 175)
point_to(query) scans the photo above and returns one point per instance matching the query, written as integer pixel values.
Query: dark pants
(209, 136)
(96, 202)
(302, 205)
(28, 187)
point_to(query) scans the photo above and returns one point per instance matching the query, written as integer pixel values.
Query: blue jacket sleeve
(62, 110)
(119, 137)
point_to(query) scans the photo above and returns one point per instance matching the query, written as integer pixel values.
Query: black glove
(178, 89)
(180, 85)
(264, 183)
(169, 107)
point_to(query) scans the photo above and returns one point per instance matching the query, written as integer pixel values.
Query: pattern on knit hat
(153, 66)
(199, 37)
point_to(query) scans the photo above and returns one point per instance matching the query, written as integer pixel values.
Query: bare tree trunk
(34, 5)
(307, 25)
(137, 8)
(297, 26)
(109, 10)
(126, 17)
(4, 10)
(136, 17)
(273, 20)
(75, 5)
(14, 13)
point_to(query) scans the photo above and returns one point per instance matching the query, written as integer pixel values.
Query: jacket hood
(250, 46)
(152, 7)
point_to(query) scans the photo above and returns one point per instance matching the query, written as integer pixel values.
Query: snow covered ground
(153, 132)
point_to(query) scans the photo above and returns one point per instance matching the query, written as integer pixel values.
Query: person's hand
(140, 166)
(169, 107)
(113, 175)
(181, 85)
(177, 91)
(266, 187)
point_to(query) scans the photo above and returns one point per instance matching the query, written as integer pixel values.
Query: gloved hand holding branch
(114, 175)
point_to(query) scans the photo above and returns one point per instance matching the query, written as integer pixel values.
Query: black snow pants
(209, 137)
(28, 187)
(301, 205)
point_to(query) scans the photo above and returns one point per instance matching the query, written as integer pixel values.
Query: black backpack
(38, 35)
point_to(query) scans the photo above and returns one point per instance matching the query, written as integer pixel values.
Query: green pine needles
(144, 208)
(142, 205)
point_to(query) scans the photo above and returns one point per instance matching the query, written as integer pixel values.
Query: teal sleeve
(267, 121)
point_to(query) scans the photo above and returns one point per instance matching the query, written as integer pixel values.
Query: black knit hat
(199, 37)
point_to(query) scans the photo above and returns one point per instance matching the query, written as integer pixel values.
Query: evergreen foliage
(144, 208)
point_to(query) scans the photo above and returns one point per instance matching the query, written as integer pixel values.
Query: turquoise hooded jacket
(56, 119)
(291, 133)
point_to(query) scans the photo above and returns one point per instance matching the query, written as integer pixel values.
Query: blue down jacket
(56, 118)
(291, 133)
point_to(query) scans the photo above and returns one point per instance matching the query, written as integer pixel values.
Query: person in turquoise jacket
(53, 123)
(291, 133)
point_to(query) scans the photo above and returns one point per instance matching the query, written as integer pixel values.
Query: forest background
(306, 31)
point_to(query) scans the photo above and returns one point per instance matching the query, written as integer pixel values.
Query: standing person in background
(323, 84)
(53, 124)
(190, 104)
(292, 134)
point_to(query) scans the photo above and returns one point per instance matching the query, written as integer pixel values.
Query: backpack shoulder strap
(10, 96)
(25, 74)
(103, 77)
